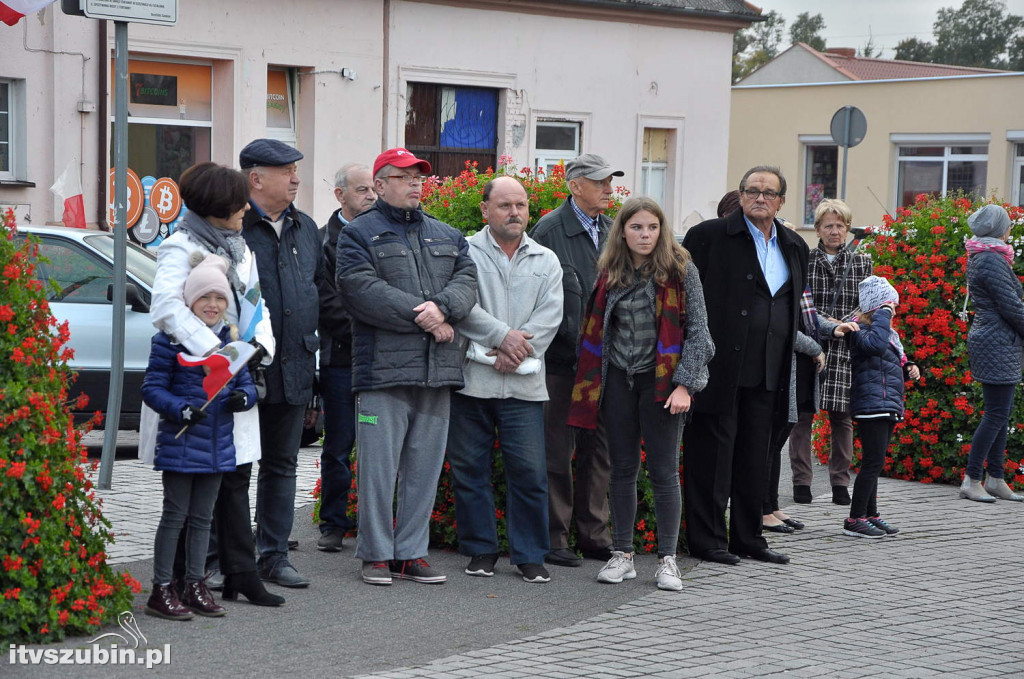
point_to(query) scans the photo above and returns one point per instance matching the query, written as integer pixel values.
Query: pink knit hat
(209, 274)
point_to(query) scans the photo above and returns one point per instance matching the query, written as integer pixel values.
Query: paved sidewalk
(940, 598)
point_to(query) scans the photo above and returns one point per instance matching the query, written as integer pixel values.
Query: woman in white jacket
(217, 198)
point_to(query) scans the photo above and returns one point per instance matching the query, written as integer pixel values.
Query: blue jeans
(280, 435)
(989, 442)
(471, 437)
(339, 435)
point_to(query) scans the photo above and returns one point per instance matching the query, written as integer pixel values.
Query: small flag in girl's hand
(223, 364)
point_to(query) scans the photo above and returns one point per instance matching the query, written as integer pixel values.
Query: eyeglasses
(752, 194)
(411, 180)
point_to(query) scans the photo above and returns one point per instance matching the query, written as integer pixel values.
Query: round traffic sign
(135, 199)
(848, 126)
(165, 199)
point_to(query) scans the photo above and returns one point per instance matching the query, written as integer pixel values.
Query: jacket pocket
(390, 259)
(572, 309)
(311, 341)
(441, 259)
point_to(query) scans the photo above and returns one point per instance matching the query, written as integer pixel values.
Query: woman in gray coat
(995, 346)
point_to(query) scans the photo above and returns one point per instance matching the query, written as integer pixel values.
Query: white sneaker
(618, 568)
(668, 574)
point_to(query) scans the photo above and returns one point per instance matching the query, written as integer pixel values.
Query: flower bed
(54, 579)
(921, 251)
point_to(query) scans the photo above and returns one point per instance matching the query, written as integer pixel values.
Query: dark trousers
(280, 435)
(771, 496)
(989, 442)
(635, 414)
(725, 461)
(187, 498)
(874, 436)
(339, 435)
(587, 495)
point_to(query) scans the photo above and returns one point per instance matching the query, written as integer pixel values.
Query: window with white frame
(281, 104)
(557, 142)
(938, 168)
(658, 143)
(820, 177)
(12, 116)
(1018, 175)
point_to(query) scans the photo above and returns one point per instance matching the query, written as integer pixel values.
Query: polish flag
(68, 187)
(11, 11)
(223, 364)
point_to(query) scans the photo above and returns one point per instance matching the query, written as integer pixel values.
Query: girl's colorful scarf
(976, 245)
(670, 312)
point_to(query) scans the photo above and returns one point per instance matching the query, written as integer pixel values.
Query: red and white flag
(11, 11)
(68, 188)
(223, 364)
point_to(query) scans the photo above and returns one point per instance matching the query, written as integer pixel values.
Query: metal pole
(120, 249)
(846, 146)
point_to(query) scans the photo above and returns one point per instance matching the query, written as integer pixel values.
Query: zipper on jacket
(295, 254)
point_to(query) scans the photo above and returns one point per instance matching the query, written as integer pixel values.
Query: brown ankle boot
(163, 603)
(199, 599)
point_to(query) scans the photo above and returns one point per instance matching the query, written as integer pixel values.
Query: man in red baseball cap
(406, 278)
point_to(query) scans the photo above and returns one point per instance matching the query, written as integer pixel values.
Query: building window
(449, 125)
(819, 178)
(557, 142)
(658, 143)
(1018, 175)
(12, 133)
(281, 104)
(169, 116)
(941, 169)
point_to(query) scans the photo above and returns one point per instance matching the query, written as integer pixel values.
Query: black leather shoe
(802, 495)
(293, 545)
(599, 554)
(840, 495)
(719, 556)
(793, 523)
(564, 557)
(778, 528)
(767, 556)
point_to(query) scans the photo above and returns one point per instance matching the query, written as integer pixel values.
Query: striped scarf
(670, 314)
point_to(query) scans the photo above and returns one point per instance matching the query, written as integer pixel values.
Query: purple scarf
(976, 245)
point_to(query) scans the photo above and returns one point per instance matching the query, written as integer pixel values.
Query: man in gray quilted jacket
(405, 278)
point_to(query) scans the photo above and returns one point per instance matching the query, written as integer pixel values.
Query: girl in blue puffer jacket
(879, 369)
(193, 461)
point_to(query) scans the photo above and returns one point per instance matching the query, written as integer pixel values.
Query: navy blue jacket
(207, 447)
(391, 260)
(995, 342)
(290, 269)
(877, 376)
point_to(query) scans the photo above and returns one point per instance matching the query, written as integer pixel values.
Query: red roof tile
(858, 68)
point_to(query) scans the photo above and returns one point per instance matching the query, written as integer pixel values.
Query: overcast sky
(849, 23)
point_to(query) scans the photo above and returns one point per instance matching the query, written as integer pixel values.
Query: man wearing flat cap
(405, 278)
(286, 244)
(576, 232)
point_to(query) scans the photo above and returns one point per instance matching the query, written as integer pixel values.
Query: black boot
(802, 494)
(251, 587)
(840, 495)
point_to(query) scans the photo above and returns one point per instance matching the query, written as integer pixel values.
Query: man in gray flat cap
(287, 245)
(576, 232)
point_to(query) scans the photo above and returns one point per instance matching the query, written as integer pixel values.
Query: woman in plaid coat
(834, 272)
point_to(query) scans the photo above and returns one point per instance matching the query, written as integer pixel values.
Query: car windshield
(141, 263)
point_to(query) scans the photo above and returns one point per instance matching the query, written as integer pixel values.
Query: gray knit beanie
(876, 291)
(990, 221)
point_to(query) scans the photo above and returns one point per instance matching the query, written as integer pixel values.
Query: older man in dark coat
(754, 271)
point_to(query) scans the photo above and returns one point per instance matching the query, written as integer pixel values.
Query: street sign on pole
(849, 126)
(163, 12)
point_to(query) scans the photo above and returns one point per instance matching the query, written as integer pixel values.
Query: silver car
(81, 262)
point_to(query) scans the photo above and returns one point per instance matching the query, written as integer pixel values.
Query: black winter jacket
(391, 260)
(994, 342)
(560, 230)
(335, 323)
(290, 270)
(877, 376)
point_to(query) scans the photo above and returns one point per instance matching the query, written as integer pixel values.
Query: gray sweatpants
(400, 434)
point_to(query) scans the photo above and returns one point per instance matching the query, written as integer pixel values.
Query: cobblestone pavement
(133, 503)
(940, 598)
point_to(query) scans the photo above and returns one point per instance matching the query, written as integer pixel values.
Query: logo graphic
(367, 419)
(165, 199)
(126, 620)
(135, 199)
